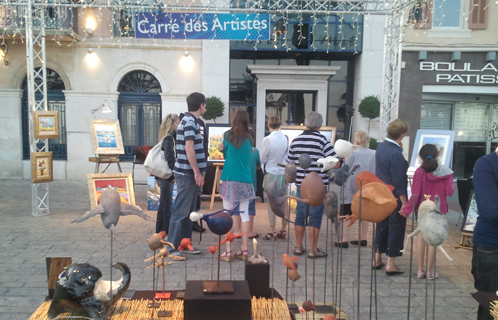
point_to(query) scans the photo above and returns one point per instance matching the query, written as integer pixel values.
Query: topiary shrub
(369, 108)
(215, 108)
(373, 144)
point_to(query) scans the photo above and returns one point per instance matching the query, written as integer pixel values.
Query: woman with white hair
(366, 159)
(313, 143)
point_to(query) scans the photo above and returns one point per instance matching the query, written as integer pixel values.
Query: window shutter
(426, 22)
(436, 116)
(478, 14)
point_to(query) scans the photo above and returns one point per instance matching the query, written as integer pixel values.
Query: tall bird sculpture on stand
(220, 223)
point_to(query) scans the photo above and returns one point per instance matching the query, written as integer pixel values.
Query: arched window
(139, 111)
(56, 102)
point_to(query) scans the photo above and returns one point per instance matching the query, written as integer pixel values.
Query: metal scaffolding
(33, 11)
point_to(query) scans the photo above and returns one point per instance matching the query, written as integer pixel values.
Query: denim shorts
(304, 212)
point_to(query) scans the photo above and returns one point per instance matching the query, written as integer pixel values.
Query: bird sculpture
(185, 244)
(81, 291)
(156, 241)
(433, 226)
(377, 203)
(344, 148)
(110, 209)
(276, 199)
(256, 257)
(327, 163)
(160, 263)
(304, 161)
(365, 177)
(293, 275)
(213, 249)
(219, 222)
(331, 204)
(230, 237)
(312, 190)
(343, 173)
(290, 173)
(307, 306)
(289, 262)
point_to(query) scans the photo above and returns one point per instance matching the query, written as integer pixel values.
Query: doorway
(290, 106)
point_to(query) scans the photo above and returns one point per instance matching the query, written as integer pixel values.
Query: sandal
(281, 234)
(269, 236)
(317, 254)
(226, 256)
(299, 251)
(421, 274)
(241, 254)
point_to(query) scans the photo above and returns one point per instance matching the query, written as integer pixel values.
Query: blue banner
(220, 26)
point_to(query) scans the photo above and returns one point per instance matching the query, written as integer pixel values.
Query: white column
(11, 134)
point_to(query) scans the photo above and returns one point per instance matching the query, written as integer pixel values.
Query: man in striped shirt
(312, 142)
(189, 167)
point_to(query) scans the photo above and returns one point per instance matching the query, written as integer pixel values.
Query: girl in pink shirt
(429, 179)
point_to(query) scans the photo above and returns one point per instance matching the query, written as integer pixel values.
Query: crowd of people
(185, 148)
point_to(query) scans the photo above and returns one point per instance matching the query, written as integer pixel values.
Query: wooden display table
(105, 158)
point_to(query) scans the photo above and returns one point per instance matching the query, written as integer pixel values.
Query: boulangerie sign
(220, 26)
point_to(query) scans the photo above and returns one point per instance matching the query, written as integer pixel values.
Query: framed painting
(470, 216)
(41, 167)
(443, 139)
(121, 182)
(294, 131)
(215, 136)
(105, 136)
(46, 124)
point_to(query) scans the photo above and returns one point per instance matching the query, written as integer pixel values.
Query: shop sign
(220, 26)
(467, 74)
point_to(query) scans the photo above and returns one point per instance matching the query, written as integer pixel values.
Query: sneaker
(362, 242)
(193, 251)
(432, 276)
(317, 254)
(345, 245)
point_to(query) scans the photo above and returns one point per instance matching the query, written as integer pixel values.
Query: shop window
(436, 116)
(447, 14)
(56, 102)
(139, 111)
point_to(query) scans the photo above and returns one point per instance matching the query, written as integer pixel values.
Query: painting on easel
(106, 136)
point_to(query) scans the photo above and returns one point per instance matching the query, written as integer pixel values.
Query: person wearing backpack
(167, 134)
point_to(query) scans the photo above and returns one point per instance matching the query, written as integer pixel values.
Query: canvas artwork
(46, 124)
(471, 215)
(106, 136)
(121, 182)
(41, 167)
(215, 134)
(442, 139)
(154, 194)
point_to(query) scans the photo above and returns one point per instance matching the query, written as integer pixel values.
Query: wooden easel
(466, 241)
(105, 158)
(216, 183)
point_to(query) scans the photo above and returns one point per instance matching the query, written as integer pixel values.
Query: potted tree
(370, 108)
(215, 108)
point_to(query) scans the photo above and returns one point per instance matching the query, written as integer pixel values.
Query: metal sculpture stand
(411, 257)
(373, 275)
(338, 282)
(359, 252)
(218, 286)
(110, 298)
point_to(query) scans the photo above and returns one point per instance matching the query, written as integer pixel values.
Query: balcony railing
(13, 17)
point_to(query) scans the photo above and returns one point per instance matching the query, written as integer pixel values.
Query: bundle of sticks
(494, 309)
(269, 309)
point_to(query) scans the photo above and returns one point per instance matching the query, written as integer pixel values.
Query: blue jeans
(484, 266)
(304, 213)
(180, 225)
(165, 204)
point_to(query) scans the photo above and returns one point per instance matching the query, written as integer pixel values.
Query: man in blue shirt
(189, 167)
(485, 239)
(391, 167)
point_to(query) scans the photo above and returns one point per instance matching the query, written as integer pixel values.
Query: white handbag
(156, 164)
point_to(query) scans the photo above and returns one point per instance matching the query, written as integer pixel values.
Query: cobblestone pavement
(26, 241)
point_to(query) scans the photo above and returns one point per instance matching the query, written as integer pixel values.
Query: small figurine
(331, 203)
(294, 275)
(312, 190)
(343, 173)
(256, 257)
(213, 249)
(307, 306)
(156, 241)
(185, 244)
(110, 209)
(159, 263)
(288, 261)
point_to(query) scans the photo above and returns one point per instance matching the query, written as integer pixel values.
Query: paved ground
(25, 242)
